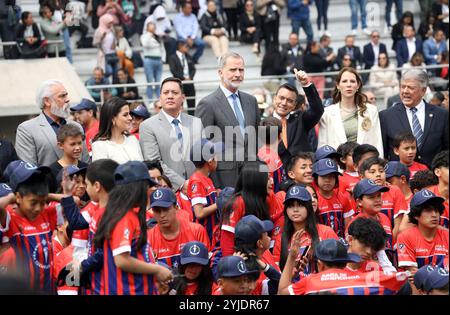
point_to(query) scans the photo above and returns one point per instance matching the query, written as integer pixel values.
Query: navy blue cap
(324, 152)
(298, 192)
(163, 197)
(367, 187)
(425, 196)
(249, 228)
(331, 250)
(421, 275)
(84, 104)
(204, 150)
(223, 197)
(395, 168)
(10, 168)
(23, 171)
(71, 170)
(132, 171)
(436, 279)
(194, 253)
(5, 190)
(233, 266)
(324, 167)
(141, 111)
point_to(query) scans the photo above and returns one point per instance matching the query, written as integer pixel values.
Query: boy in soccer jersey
(398, 174)
(440, 170)
(405, 147)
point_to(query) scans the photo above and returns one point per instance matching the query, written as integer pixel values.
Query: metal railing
(49, 42)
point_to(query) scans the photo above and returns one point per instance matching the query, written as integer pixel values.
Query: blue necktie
(238, 113)
(417, 130)
(176, 122)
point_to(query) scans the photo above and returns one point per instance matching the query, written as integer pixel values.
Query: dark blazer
(299, 124)
(7, 154)
(208, 22)
(122, 90)
(176, 68)
(290, 59)
(402, 51)
(369, 55)
(357, 57)
(435, 138)
(216, 113)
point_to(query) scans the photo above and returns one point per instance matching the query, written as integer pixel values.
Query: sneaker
(255, 48)
(354, 32)
(367, 32)
(327, 33)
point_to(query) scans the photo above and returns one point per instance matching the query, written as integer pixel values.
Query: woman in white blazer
(350, 118)
(384, 78)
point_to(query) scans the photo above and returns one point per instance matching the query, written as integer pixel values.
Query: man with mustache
(36, 138)
(230, 116)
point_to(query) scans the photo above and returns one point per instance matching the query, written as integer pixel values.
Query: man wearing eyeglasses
(372, 50)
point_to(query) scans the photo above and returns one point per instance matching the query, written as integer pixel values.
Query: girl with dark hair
(299, 214)
(253, 195)
(113, 141)
(397, 30)
(350, 117)
(129, 264)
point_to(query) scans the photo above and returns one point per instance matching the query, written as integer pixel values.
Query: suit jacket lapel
(246, 108)
(402, 117)
(186, 122)
(225, 107)
(291, 126)
(166, 126)
(428, 121)
(49, 133)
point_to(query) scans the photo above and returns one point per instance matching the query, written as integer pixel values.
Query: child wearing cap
(139, 113)
(398, 174)
(440, 170)
(420, 277)
(30, 226)
(436, 282)
(270, 132)
(327, 152)
(393, 201)
(7, 255)
(170, 233)
(201, 190)
(234, 277)
(299, 215)
(129, 267)
(195, 276)
(334, 208)
(86, 115)
(424, 243)
(405, 147)
(350, 176)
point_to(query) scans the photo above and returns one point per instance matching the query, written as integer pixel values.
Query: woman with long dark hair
(129, 265)
(253, 195)
(397, 30)
(350, 117)
(113, 141)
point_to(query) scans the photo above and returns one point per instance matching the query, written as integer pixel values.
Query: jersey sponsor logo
(45, 225)
(44, 245)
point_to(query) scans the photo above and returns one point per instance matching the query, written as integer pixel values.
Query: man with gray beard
(36, 138)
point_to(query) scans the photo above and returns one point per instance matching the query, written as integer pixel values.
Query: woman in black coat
(28, 37)
(127, 93)
(7, 154)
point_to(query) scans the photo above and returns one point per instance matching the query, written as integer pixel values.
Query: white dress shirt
(228, 94)
(171, 118)
(376, 52)
(184, 63)
(411, 47)
(420, 115)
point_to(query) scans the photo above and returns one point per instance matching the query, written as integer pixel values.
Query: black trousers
(189, 92)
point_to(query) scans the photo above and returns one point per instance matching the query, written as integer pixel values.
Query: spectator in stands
(434, 47)
(133, 21)
(105, 40)
(322, 12)
(298, 12)
(440, 11)
(371, 98)
(443, 73)
(28, 37)
(372, 50)
(398, 29)
(269, 15)
(139, 113)
(346, 62)
(194, 3)
(250, 26)
(425, 7)
(384, 77)
(186, 26)
(99, 78)
(113, 140)
(163, 29)
(437, 99)
(153, 66)
(52, 30)
(156, 106)
(7, 154)
(114, 9)
(407, 46)
(128, 93)
(315, 63)
(417, 60)
(292, 56)
(231, 9)
(60, 13)
(79, 18)
(213, 30)
(124, 51)
(362, 8)
(427, 28)
(398, 12)
(182, 67)
(8, 23)
(353, 51)
(326, 50)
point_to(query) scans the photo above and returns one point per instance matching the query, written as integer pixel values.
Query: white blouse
(129, 150)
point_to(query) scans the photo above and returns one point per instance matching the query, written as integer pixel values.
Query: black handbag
(28, 52)
(272, 15)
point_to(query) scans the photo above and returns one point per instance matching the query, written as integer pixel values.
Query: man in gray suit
(36, 138)
(232, 117)
(169, 135)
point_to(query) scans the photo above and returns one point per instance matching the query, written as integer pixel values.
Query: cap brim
(296, 198)
(350, 258)
(81, 170)
(77, 108)
(161, 204)
(326, 172)
(435, 198)
(140, 114)
(239, 274)
(194, 260)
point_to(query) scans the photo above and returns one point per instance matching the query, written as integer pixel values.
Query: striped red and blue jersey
(394, 203)
(124, 238)
(32, 244)
(168, 251)
(348, 282)
(201, 190)
(97, 277)
(333, 211)
(348, 181)
(80, 237)
(444, 216)
(415, 251)
(185, 204)
(275, 165)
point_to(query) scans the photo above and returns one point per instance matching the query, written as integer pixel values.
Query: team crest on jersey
(401, 248)
(194, 250)
(427, 194)
(241, 267)
(329, 163)
(126, 233)
(194, 188)
(158, 194)
(44, 245)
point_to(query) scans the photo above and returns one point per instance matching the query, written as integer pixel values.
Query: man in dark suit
(428, 123)
(230, 116)
(372, 50)
(296, 125)
(182, 67)
(350, 49)
(407, 46)
(292, 56)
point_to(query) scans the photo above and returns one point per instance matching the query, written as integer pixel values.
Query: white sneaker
(367, 32)
(354, 32)
(327, 33)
